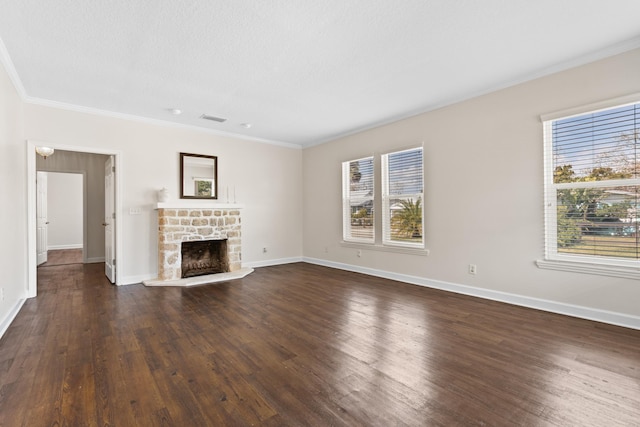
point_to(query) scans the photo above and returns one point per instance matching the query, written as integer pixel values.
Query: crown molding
(616, 49)
(6, 61)
(130, 117)
(610, 51)
(9, 67)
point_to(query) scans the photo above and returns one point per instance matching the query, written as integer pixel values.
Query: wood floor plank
(304, 345)
(63, 257)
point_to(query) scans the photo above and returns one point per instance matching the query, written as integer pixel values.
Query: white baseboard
(94, 260)
(136, 280)
(270, 262)
(4, 324)
(604, 316)
(58, 247)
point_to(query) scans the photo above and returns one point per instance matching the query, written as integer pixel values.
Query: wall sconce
(44, 151)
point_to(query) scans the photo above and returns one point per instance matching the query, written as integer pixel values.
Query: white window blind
(592, 183)
(357, 201)
(402, 198)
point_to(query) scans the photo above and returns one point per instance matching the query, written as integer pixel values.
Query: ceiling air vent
(213, 118)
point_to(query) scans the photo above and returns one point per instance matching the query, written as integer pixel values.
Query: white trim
(30, 146)
(59, 247)
(594, 107)
(347, 197)
(85, 217)
(590, 268)
(613, 50)
(363, 242)
(386, 197)
(5, 59)
(386, 248)
(11, 315)
(85, 209)
(136, 279)
(550, 199)
(270, 262)
(604, 316)
(616, 49)
(94, 260)
(32, 262)
(197, 204)
(580, 263)
(612, 263)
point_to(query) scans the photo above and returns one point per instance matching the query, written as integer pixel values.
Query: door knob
(105, 224)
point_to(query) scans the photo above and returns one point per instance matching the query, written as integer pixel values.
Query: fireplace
(177, 226)
(202, 257)
(211, 236)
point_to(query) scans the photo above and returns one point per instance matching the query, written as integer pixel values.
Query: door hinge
(113, 215)
(114, 262)
(113, 168)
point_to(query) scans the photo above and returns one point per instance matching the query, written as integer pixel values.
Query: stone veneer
(183, 224)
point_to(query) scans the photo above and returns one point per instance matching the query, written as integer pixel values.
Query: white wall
(64, 210)
(13, 223)
(483, 191)
(267, 180)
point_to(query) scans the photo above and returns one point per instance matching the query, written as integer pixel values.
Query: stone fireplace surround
(197, 220)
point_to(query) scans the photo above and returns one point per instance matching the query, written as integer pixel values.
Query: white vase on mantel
(163, 195)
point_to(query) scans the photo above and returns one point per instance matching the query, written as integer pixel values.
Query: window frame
(347, 235)
(386, 207)
(553, 259)
(377, 244)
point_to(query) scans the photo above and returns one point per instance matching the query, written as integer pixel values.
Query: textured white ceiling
(300, 71)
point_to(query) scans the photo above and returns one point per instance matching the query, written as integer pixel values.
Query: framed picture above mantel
(198, 176)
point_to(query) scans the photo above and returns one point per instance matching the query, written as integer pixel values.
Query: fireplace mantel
(197, 204)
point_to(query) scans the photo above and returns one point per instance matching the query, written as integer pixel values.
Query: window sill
(589, 268)
(383, 248)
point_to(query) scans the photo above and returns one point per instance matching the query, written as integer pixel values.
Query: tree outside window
(593, 191)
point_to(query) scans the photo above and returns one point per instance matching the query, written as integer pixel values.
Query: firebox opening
(200, 257)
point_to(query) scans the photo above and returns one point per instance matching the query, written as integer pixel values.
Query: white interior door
(109, 220)
(42, 245)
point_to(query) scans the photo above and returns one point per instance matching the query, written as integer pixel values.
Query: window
(402, 198)
(592, 183)
(357, 201)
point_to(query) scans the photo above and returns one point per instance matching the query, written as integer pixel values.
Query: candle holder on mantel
(229, 199)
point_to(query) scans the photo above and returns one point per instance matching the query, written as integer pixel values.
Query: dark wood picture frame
(198, 176)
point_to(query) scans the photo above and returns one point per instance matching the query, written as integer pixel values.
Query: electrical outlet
(359, 253)
(264, 250)
(135, 211)
(472, 269)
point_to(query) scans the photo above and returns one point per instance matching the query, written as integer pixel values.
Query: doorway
(31, 207)
(61, 218)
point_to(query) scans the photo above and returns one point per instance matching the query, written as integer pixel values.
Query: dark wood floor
(303, 345)
(62, 257)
